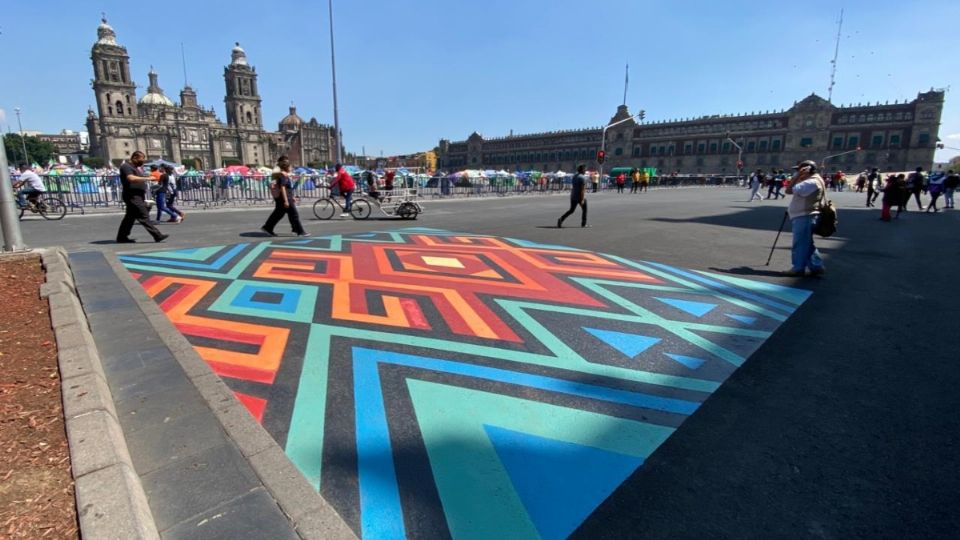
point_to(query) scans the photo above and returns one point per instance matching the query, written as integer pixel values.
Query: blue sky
(411, 72)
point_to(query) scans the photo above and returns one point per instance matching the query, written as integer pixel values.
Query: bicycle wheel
(408, 210)
(324, 208)
(52, 208)
(361, 209)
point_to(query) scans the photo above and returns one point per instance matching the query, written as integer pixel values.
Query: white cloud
(953, 136)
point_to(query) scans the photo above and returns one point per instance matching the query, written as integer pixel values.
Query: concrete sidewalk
(208, 470)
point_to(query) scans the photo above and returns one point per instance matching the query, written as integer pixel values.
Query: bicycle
(326, 208)
(51, 208)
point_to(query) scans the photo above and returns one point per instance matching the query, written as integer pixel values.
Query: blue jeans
(348, 196)
(804, 253)
(162, 207)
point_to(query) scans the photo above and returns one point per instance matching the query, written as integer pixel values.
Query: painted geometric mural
(433, 384)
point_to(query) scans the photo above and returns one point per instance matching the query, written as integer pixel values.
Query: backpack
(827, 223)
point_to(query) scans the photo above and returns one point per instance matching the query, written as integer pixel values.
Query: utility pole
(333, 68)
(603, 139)
(23, 141)
(9, 221)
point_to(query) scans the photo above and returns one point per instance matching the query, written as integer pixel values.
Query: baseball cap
(807, 163)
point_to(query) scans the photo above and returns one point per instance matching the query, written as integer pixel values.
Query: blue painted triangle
(742, 318)
(689, 361)
(560, 483)
(698, 309)
(629, 344)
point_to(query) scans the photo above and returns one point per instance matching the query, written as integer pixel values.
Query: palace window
(713, 148)
(876, 141)
(618, 152)
(636, 151)
(763, 146)
(895, 141)
(908, 116)
(806, 142)
(751, 146)
(898, 116)
(923, 139)
(775, 145)
(837, 143)
(853, 141)
(688, 148)
(701, 148)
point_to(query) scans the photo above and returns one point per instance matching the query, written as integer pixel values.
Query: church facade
(186, 132)
(891, 136)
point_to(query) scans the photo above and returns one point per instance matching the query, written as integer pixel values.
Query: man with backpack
(281, 188)
(808, 189)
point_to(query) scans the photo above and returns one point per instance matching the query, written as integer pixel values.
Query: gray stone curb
(310, 513)
(111, 502)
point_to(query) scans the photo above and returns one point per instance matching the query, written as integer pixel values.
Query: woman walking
(282, 190)
(165, 190)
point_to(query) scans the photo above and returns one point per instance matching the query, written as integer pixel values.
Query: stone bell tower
(242, 98)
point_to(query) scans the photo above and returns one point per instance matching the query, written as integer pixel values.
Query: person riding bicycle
(34, 189)
(345, 183)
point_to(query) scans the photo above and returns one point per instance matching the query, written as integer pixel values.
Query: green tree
(40, 152)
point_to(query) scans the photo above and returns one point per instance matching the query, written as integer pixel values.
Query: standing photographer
(807, 188)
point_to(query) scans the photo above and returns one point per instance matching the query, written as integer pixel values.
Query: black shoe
(559, 223)
(161, 238)
(269, 233)
(126, 241)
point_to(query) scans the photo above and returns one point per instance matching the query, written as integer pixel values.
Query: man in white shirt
(807, 188)
(34, 186)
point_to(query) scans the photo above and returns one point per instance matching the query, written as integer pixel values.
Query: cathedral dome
(105, 33)
(155, 94)
(238, 57)
(291, 121)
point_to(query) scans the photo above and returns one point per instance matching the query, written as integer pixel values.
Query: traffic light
(601, 155)
(643, 114)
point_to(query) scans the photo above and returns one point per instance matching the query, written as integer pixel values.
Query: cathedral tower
(242, 99)
(115, 92)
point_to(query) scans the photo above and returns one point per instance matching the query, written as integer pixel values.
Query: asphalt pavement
(843, 424)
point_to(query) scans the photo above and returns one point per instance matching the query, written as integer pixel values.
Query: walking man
(755, 185)
(915, 184)
(807, 188)
(949, 186)
(578, 197)
(282, 191)
(134, 183)
(873, 186)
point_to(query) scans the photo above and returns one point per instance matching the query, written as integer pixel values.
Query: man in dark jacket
(578, 196)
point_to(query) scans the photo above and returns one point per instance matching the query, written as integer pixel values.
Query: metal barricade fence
(93, 191)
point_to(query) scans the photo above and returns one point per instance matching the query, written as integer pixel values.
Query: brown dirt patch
(36, 486)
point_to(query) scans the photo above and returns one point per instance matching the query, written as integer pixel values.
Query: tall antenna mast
(183, 57)
(626, 82)
(836, 54)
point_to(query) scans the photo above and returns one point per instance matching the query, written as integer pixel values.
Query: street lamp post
(333, 68)
(739, 157)
(603, 139)
(23, 141)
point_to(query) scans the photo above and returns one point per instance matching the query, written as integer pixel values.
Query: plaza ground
(842, 424)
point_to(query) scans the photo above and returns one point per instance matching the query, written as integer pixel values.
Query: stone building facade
(187, 132)
(891, 136)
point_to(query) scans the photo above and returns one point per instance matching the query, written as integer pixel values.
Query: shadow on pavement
(755, 218)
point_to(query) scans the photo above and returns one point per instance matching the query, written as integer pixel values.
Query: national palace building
(892, 136)
(186, 132)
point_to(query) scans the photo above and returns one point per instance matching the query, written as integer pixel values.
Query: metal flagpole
(626, 83)
(333, 68)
